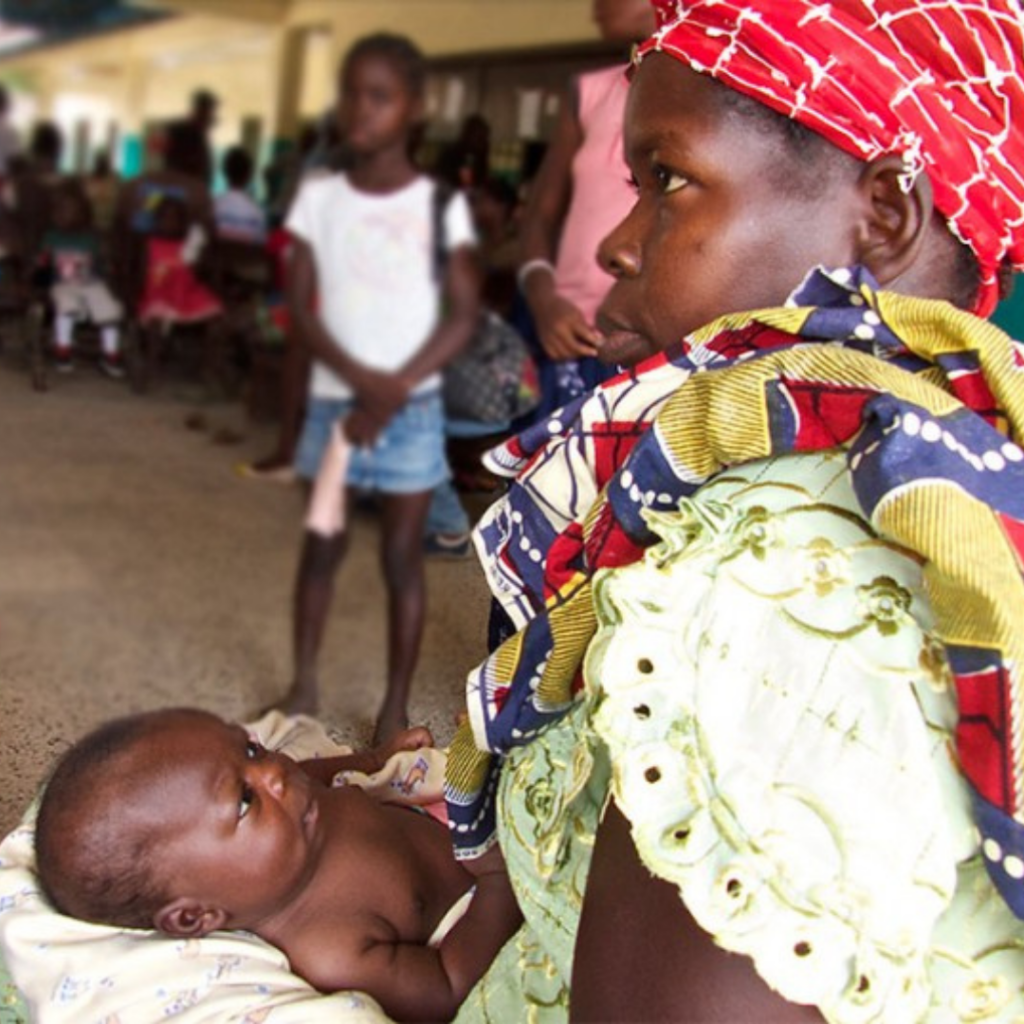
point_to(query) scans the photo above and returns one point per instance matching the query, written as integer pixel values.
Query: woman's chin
(624, 348)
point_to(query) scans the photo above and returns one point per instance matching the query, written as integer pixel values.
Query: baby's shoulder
(330, 948)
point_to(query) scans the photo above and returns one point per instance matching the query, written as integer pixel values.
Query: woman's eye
(253, 750)
(668, 180)
(633, 182)
(246, 800)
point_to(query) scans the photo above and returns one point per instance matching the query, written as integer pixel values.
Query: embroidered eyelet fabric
(778, 721)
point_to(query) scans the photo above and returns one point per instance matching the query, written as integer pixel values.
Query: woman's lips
(619, 344)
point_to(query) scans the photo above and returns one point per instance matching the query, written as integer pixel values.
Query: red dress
(172, 291)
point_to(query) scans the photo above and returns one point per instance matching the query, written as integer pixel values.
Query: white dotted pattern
(991, 460)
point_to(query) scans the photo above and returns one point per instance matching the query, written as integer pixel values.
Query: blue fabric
(446, 514)
(561, 382)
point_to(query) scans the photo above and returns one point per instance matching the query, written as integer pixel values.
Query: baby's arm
(369, 761)
(414, 982)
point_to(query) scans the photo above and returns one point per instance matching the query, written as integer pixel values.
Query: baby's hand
(408, 739)
(369, 761)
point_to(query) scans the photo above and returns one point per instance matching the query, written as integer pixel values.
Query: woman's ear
(185, 918)
(892, 231)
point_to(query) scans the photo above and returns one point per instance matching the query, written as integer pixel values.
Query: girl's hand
(381, 394)
(361, 429)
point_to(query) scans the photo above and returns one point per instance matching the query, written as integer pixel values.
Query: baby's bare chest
(389, 864)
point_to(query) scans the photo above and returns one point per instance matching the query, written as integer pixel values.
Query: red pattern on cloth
(939, 83)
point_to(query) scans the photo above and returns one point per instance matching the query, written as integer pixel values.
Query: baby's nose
(273, 772)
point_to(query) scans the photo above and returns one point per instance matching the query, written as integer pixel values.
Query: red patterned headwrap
(938, 82)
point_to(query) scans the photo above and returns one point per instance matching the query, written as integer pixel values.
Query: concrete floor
(137, 570)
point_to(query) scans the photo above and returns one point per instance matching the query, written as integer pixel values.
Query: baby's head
(767, 138)
(178, 821)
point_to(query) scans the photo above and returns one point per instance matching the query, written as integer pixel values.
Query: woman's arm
(563, 331)
(640, 955)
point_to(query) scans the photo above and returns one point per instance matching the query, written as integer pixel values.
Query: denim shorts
(407, 458)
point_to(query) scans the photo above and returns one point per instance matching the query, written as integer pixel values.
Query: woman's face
(716, 227)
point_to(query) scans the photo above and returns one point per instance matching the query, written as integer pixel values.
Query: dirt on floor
(138, 569)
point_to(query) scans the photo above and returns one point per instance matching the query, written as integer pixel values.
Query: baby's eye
(253, 750)
(246, 800)
(668, 180)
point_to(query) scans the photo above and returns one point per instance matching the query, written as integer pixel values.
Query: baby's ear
(185, 918)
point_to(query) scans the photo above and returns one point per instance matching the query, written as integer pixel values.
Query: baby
(177, 821)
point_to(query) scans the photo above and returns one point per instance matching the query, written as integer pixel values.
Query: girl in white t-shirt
(364, 296)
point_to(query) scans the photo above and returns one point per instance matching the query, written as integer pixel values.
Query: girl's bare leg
(402, 563)
(314, 592)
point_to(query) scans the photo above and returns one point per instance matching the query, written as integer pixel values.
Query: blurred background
(113, 74)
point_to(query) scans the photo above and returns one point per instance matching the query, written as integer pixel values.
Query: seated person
(30, 182)
(239, 217)
(102, 187)
(140, 199)
(172, 291)
(178, 821)
(70, 259)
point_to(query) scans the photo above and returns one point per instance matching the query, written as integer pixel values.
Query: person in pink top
(581, 192)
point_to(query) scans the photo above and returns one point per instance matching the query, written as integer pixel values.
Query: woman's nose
(619, 251)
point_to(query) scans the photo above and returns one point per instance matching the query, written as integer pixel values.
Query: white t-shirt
(374, 261)
(240, 218)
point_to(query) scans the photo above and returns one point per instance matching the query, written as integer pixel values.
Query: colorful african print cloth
(927, 401)
(940, 84)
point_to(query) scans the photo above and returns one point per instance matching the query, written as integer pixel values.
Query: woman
(580, 193)
(807, 519)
